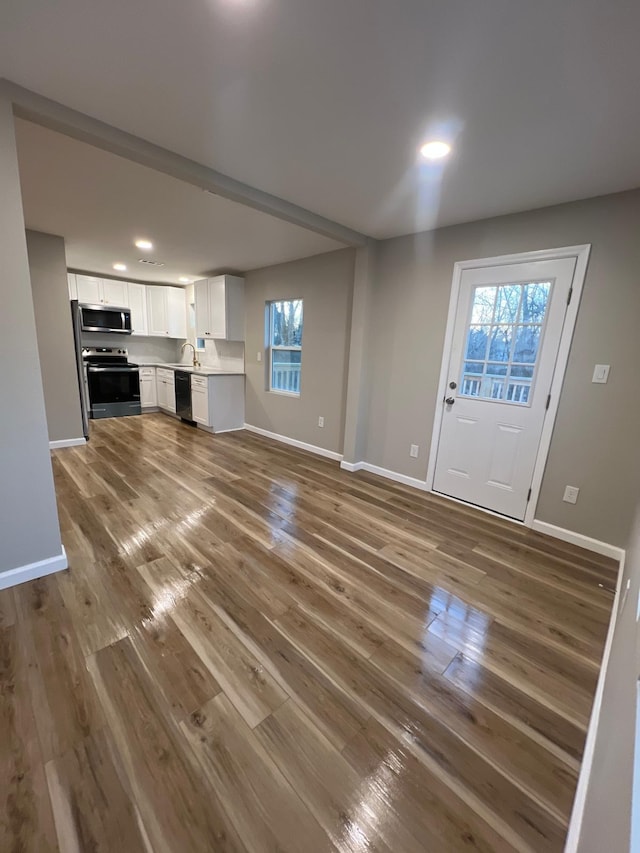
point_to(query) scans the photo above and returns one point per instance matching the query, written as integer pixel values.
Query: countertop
(200, 371)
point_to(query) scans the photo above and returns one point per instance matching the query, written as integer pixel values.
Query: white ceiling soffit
(101, 203)
(324, 104)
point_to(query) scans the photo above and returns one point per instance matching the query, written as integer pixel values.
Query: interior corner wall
(607, 808)
(49, 288)
(597, 426)
(325, 284)
(29, 530)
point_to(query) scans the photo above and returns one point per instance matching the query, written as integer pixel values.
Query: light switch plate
(571, 494)
(320, 421)
(259, 356)
(601, 373)
(413, 452)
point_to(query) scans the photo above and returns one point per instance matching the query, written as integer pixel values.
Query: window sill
(295, 394)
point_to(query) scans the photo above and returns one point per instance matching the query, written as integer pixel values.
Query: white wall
(29, 530)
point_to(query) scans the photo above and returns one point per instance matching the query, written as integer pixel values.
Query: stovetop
(106, 356)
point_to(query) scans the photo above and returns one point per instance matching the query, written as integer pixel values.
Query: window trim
(279, 348)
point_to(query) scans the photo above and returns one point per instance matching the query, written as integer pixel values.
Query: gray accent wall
(325, 284)
(48, 269)
(29, 530)
(597, 427)
(607, 816)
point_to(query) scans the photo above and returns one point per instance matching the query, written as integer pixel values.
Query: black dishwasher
(183, 395)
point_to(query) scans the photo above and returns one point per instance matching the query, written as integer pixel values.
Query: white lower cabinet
(217, 401)
(166, 389)
(200, 400)
(148, 388)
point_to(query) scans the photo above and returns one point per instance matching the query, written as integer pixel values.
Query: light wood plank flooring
(255, 651)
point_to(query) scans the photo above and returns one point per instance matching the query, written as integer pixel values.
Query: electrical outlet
(259, 356)
(320, 421)
(571, 494)
(413, 451)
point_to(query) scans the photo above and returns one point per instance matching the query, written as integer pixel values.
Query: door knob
(450, 401)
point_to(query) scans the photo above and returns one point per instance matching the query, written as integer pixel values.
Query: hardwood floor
(256, 651)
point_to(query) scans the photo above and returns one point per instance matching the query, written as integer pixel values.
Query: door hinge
(548, 401)
(570, 295)
(529, 496)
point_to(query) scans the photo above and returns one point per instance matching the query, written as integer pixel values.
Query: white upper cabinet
(166, 312)
(102, 291)
(115, 293)
(177, 312)
(201, 293)
(157, 311)
(89, 289)
(73, 287)
(219, 304)
(138, 306)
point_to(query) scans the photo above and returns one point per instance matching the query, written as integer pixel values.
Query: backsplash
(144, 349)
(223, 355)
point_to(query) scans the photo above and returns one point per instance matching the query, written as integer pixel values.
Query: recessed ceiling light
(147, 245)
(184, 279)
(435, 150)
(120, 267)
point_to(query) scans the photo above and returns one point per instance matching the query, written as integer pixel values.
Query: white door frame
(581, 254)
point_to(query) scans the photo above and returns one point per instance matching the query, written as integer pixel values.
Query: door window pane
(535, 297)
(483, 304)
(508, 304)
(500, 346)
(527, 342)
(503, 341)
(477, 342)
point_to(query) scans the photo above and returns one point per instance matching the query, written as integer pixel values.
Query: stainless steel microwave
(100, 318)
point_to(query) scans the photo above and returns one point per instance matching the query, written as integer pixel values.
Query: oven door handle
(92, 369)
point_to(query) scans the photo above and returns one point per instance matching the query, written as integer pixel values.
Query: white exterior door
(507, 332)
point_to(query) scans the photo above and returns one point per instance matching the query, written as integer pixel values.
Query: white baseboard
(32, 571)
(579, 539)
(66, 442)
(352, 466)
(387, 473)
(301, 445)
(577, 812)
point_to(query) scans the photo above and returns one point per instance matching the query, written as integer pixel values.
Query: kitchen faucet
(196, 363)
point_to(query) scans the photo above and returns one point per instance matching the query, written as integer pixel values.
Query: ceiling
(101, 204)
(326, 103)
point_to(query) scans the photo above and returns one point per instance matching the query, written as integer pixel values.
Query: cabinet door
(201, 291)
(89, 289)
(148, 393)
(161, 393)
(217, 308)
(234, 300)
(200, 405)
(73, 287)
(138, 306)
(176, 312)
(115, 293)
(171, 394)
(157, 315)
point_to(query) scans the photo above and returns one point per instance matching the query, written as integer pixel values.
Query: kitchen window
(285, 345)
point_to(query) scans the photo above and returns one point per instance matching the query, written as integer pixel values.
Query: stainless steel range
(113, 383)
